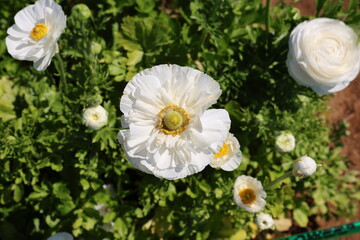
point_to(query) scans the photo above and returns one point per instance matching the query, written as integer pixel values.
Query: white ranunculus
(324, 55)
(249, 194)
(95, 117)
(61, 236)
(169, 131)
(285, 142)
(304, 166)
(264, 221)
(35, 33)
(229, 156)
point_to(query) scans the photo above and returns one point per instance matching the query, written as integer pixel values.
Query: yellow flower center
(247, 196)
(95, 117)
(223, 151)
(39, 31)
(172, 120)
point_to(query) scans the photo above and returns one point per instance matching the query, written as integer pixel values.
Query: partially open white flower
(285, 142)
(95, 117)
(61, 236)
(304, 166)
(170, 133)
(324, 55)
(249, 194)
(264, 221)
(35, 33)
(229, 156)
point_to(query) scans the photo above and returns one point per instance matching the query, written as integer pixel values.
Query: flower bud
(304, 166)
(81, 11)
(264, 221)
(95, 117)
(95, 48)
(285, 142)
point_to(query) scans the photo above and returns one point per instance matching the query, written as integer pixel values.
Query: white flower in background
(304, 166)
(249, 194)
(35, 33)
(104, 210)
(324, 55)
(170, 133)
(264, 221)
(61, 236)
(285, 142)
(95, 117)
(229, 156)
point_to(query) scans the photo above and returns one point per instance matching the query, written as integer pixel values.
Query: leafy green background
(53, 169)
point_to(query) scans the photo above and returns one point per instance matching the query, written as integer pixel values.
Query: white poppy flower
(324, 55)
(304, 166)
(285, 142)
(95, 117)
(249, 194)
(264, 221)
(170, 133)
(61, 236)
(35, 33)
(229, 156)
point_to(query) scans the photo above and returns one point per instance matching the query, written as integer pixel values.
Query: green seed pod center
(173, 120)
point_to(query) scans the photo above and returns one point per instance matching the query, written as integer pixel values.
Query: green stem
(279, 179)
(267, 23)
(61, 69)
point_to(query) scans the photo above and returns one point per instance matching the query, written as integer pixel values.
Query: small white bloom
(324, 55)
(229, 156)
(102, 209)
(264, 221)
(285, 142)
(170, 133)
(35, 33)
(95, 117)
(61, 236)
(304, 166)
(249, 194)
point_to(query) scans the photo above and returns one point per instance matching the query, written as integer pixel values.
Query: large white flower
(264, 221)
(285, 142)
(324, 55)
(249, 194)
(95, 117)
(229, 156)
(170, 133)
(61, 236)
(34, 35)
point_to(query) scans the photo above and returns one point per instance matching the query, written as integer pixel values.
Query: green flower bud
(95, 48)
(81, 11)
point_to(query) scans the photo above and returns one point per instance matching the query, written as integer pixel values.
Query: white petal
(26, 19)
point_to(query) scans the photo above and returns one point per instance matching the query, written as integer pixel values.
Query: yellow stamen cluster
(95, 117)
(172, 120)
(223, 151)
(247, 196)
(39, 31)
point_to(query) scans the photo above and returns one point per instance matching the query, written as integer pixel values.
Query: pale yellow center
(247, 196)
(95, 117)
(172, 120)
(39, 31)
(223, 151)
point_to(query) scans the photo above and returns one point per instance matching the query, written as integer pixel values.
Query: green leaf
(300, 217)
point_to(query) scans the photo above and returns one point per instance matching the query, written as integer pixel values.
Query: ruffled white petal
(165, 155)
